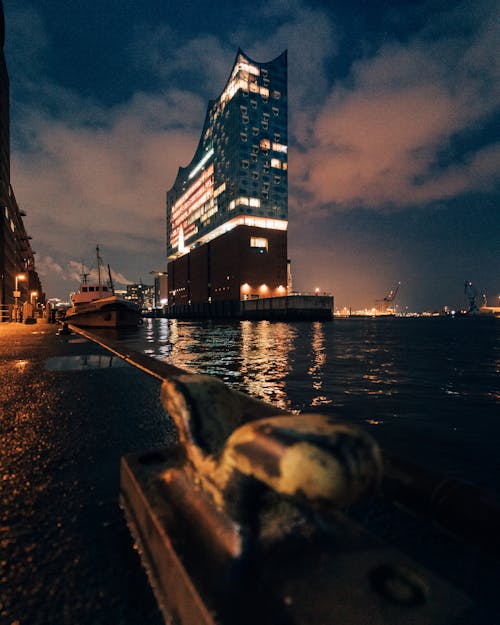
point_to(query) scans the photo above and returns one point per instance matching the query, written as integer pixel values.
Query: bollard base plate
(338, 574)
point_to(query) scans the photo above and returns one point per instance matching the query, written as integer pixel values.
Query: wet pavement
(68, 412)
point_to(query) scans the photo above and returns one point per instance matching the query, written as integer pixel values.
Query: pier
(77, 406)
(295, 307)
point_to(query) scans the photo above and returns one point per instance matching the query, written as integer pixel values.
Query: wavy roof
(240, 56)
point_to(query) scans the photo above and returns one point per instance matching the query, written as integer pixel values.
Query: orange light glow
(264, 288)
(245, 287)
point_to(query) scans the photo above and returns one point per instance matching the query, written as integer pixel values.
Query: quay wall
(287, 307)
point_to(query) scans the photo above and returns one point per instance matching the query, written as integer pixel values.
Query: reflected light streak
(316, 370)
(265, 364)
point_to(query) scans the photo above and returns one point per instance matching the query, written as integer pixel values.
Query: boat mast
(111, 281)
(98, 266)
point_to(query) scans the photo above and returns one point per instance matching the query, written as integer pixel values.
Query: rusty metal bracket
(240, 522)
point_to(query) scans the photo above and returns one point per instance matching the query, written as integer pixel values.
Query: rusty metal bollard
(241, 521)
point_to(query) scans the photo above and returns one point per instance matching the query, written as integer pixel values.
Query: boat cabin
(90, 292)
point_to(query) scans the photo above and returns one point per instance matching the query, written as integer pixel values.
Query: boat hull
(105, 314)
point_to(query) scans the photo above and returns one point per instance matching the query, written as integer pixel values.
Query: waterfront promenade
(69, 411)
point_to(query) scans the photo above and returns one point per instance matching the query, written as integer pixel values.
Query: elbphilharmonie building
(227, 211)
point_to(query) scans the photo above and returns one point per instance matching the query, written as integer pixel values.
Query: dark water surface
(427, 388)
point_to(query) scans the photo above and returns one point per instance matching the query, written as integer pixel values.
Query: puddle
(78, 341)
(84, 362)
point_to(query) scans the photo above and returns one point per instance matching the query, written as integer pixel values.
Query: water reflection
(84, 362)
(318, 360)
(265, 359)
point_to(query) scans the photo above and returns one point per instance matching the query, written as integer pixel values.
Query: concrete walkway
(68, 412)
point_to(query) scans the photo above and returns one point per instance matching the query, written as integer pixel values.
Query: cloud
(293, 24)
(381, 137)
(202, 63)
(83, 185)
(27, 41)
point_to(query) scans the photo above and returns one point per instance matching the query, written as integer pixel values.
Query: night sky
(394, 157)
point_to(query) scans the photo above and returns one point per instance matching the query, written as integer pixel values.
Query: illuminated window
(275, 162)
(259, 242)
(220, 189)
(251, 69)
(279, 147)
(254, 201)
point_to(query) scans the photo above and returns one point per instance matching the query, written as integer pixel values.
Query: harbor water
(426, 388)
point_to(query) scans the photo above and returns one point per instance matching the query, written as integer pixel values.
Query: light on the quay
(20, 278)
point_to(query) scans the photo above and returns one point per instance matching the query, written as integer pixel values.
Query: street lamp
(20, 277)
(33, 294)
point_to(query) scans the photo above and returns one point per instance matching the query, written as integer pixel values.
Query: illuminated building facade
(16, 255)
(227, 211)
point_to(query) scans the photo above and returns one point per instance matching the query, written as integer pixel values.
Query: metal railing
(5, 312)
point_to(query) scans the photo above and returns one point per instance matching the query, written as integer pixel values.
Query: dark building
(17, 263)
(227, 211)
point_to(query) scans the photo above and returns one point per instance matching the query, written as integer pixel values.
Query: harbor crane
(383, 304)
(470, 295)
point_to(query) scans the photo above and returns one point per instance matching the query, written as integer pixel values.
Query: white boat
(96, 305)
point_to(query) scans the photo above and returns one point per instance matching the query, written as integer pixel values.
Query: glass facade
(239, 173)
